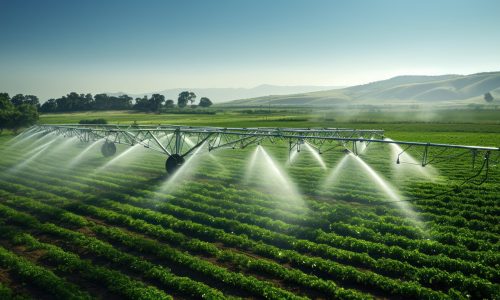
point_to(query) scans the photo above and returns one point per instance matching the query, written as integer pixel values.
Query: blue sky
(50, 47)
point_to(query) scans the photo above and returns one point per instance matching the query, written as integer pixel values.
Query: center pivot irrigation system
(177, 142)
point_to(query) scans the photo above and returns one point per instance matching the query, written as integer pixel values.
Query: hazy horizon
(54, 47)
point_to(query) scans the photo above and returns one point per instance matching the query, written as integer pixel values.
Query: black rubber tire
(108, 149)
(173, 162)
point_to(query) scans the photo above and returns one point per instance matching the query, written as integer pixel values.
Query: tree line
(22, 110)
(156, 102)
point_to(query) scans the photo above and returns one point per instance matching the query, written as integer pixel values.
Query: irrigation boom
(179, 141)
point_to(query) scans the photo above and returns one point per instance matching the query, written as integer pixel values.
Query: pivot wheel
(108, 149)
(173, 162)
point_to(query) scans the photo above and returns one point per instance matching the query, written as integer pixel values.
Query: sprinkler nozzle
(397, 161)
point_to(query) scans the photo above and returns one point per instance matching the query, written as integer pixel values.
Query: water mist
(265, 173)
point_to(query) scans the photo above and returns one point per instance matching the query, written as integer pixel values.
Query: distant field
(285, 116)
(403, 125)
(87, 227)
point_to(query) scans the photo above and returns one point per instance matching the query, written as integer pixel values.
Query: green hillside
(444, 89)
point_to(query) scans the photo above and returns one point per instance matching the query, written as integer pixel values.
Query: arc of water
(21, 135)
(64, 144)
(80, 156)
(377, 178)
(191, 143)
(334, 174)
(412, 163)
(44, 138)
(119, 157)
(181, 172)
(37, 152)
(361, 147)
(271, 174)
(36, 149)
(251, 164)
(388, 190)
(293, 156)
(316, 156)
(15, 142)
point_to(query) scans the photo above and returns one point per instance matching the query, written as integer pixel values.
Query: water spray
(122, 155)
(82, 154)
(267, 175)
(33, 154)
(181, 172)
(315, 154)
(387, 189)
(408, 165)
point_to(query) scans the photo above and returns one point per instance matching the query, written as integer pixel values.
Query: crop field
(247, 223)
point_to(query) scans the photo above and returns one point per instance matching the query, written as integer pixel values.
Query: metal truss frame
(183, 140)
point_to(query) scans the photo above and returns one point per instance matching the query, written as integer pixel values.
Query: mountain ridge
(404, 89)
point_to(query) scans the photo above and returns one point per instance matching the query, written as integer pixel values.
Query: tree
(169, 103)
(17, 99)
(88, 102)
(105, 102)
(101, 101)
(5, 102)
(155, 102)
(16, 116)
(488, 97)
(5, 118)
(6, 111)
(71, 102)
(142, 103)
(125, 102)
(26, 115)
(205, 102)
(20, 99)
(192, 99)
(184, 98)
(32, 100)
(49, 106)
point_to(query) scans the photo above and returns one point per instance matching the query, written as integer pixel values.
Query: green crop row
(91, 245)
(425, 246)
(100, 249)
(411, 270)
(242, 261)
(440, 279)
(262, 221)
(46, 280)
(462, 251)
(323, 267)
(310, 234)
(8, 294)
(71, 263)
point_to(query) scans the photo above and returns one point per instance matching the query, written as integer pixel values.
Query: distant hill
(219, 95)
(456, 89)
